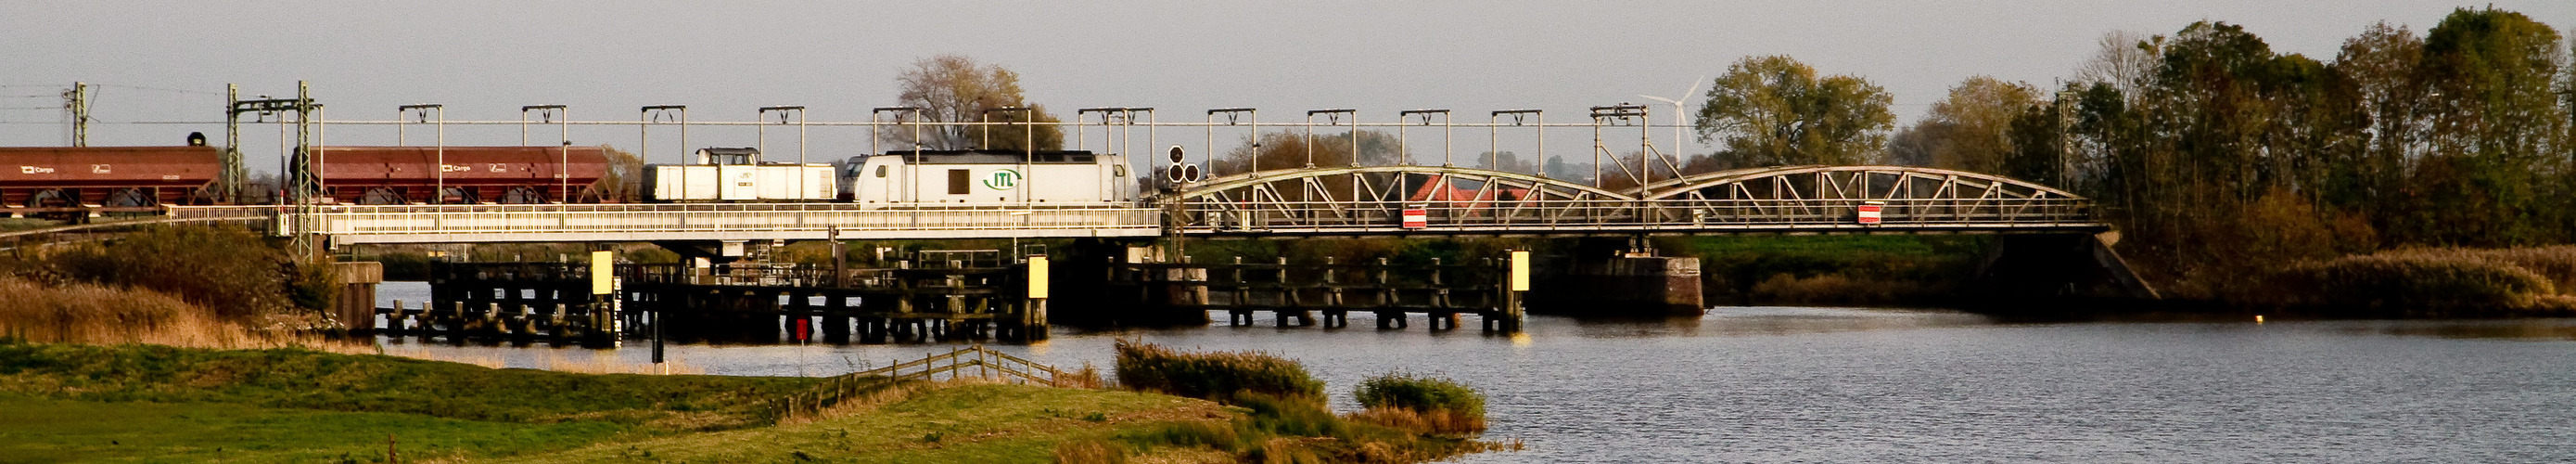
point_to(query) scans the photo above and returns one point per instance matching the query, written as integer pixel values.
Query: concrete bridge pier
(356, 306)
(2023, 268)
(1616, 277)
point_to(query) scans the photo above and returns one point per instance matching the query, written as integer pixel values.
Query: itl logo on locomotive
(1003, 179)
(35, 170)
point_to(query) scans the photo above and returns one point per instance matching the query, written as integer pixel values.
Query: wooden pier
(937, 300)
(949, 300)
(555, 302)
(513, 302)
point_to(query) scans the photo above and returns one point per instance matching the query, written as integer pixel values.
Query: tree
(1773, 110)
(1288, 149)
(1506, 161)
(1970, 130)
(2496, 124)
(624, 180)
(2125, 60)
(1576, 172)
(2379, 69)
(954, 88)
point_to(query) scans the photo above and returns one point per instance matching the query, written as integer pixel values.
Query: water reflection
(2521, 329)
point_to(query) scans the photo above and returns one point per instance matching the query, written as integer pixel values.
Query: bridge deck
(658, 222)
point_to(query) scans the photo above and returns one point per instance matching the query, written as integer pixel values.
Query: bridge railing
(1504, 216)
(709, 218)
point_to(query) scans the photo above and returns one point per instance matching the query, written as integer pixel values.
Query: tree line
(2212, 153)
(2215, 154)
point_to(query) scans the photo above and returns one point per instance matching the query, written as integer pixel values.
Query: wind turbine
(1677, 111)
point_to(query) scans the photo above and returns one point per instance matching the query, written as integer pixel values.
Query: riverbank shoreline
(73, 403)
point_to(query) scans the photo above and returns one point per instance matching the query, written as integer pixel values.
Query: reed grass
(98, 314)
(2432, 281)
(238, 275)
(1217, 376)
(1425, 404)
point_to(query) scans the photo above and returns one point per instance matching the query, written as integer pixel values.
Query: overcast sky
(169, 61)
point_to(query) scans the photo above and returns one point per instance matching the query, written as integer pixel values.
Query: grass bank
(73, 403)
(972, 423)
(79, 403)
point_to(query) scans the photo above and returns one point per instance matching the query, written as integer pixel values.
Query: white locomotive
(1047, 178)
(738, 174)
(900, 179)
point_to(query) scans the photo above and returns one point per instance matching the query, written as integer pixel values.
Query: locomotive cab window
(1118, 171)
(881, 171)
(957, 183)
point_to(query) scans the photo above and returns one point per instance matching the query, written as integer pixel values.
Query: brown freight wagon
(478, 174)
(77, 177)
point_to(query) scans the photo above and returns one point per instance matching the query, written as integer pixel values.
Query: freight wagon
(77, 177)
(460, 174)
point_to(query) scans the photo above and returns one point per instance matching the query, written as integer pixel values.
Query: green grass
(306, 379)
(144, 403)
(962, 424)
(49, 430)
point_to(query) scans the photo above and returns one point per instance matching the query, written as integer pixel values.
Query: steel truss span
(1346, 201)
(1399, 200)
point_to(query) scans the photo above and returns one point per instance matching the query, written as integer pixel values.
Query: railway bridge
(1344, 201)
(2045, 232)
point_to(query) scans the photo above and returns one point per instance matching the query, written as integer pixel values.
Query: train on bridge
(144, 178)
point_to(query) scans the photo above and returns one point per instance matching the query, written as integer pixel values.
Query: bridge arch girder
(1379, 198)
(1252, 179)
(1850, 183)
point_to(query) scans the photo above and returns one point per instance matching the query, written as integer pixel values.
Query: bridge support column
(1300, 317)
(1625, 284)
(1392, 320)
(2018, 267)
(356, 305)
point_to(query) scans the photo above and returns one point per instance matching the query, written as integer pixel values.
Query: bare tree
(955, 88)
(2126, 61)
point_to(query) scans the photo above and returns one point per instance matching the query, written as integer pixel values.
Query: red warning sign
(1869, 212)
(1416, 217)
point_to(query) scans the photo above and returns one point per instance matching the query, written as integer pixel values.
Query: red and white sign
(1869, 212)
(1416, 218)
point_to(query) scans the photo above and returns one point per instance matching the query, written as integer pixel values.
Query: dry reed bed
(2434, 281)
(98, 314)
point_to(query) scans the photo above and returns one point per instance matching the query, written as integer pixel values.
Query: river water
(1761, 384)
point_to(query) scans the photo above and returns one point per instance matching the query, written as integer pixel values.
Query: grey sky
(484, 59)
